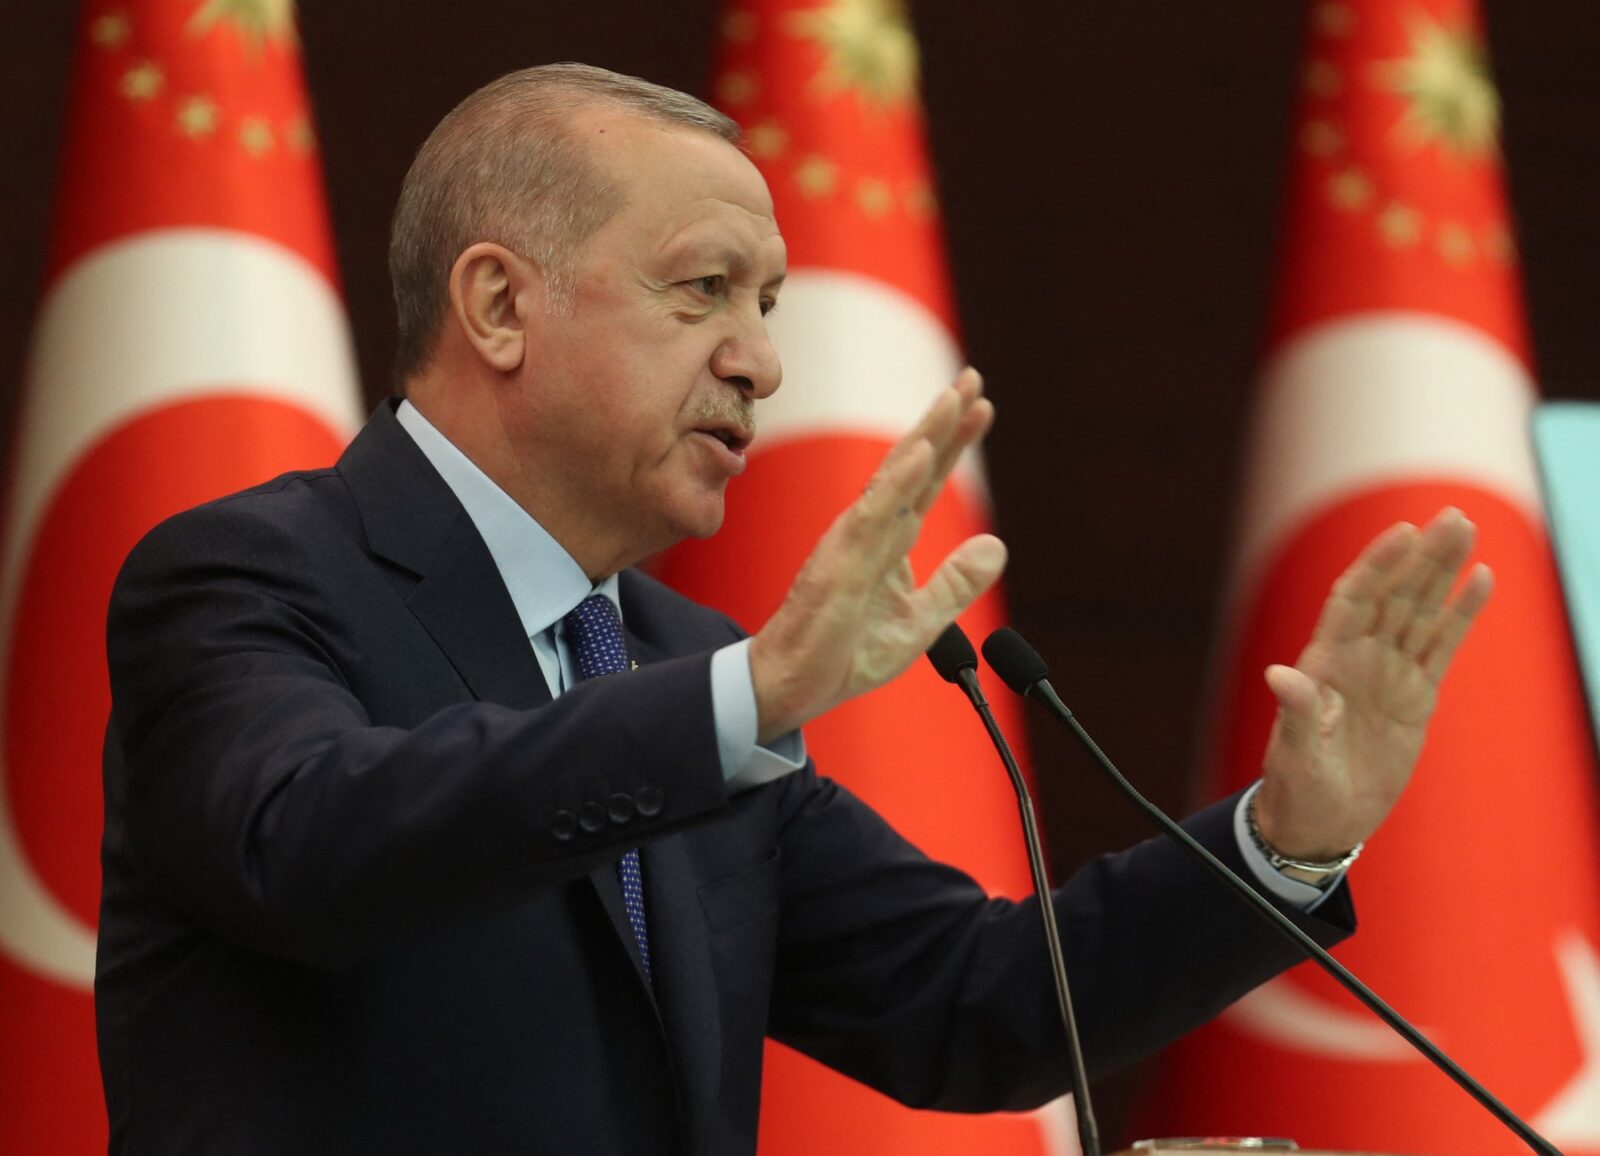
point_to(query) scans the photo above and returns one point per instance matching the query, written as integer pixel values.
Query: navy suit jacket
(359, 890)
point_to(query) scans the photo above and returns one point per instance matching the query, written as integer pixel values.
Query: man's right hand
(854, 617)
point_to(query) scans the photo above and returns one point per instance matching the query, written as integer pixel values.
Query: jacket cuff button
(563, 825)
(649, 800)
(591, 817)
(620, 808)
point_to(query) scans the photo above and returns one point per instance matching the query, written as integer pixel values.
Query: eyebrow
(710, 250)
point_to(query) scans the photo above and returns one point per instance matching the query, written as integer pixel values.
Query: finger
(1351, 610)
(1418, 585)
(876, 529)
(900, 530)
(1456, 621)
(948, 440)
(967, 389)
(974, 425)
(964, 576)
(1403, 590)
(1448, 542)
(1415, 589)
(954, 420)
(943, 415)
(882, 525)
(899, 478)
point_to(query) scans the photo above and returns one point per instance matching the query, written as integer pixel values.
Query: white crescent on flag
(173, 312)
(1381, 397)
(870, 358)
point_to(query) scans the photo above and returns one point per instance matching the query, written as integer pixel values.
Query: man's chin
(681, 512)
(699, 519)
(707, 524)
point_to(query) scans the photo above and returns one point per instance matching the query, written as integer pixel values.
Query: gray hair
(503, 166)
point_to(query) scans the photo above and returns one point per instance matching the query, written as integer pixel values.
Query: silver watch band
(1282, 862)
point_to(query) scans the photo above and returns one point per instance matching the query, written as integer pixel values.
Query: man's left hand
(1353, 711)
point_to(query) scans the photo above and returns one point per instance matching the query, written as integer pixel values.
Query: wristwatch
(1303, 870)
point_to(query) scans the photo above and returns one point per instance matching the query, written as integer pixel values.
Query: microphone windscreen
(952, 652)
(1018, 664)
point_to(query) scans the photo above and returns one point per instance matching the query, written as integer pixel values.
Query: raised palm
(1353, 710)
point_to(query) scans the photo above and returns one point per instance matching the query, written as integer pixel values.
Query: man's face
(635, 410)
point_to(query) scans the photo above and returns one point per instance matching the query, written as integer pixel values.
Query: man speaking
(432, 827)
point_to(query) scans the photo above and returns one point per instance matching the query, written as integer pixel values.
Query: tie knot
(594, 631)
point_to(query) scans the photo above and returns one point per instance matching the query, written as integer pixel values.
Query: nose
(747, 359)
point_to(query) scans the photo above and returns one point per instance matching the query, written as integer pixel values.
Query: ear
(491, 289)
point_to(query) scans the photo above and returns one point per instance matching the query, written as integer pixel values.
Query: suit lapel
(463, 604)
(609, 888)
(413, 520)
(680, 952)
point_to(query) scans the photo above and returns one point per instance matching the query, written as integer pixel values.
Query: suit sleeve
(898, 972)
(255, 790)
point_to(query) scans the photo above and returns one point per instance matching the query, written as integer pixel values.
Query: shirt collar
(545, 582)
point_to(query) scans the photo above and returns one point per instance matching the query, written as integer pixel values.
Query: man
(392, 864)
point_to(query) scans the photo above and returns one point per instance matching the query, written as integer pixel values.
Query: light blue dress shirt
(546, 583)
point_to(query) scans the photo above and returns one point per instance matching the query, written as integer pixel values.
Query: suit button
(563, 825)
(591, 817)
(650, 800)
(620, 808)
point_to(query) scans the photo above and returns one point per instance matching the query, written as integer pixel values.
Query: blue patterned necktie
(594, 632)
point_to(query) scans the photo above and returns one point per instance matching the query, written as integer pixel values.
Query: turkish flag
(190, 341)
(1398, 381)
(827, 95)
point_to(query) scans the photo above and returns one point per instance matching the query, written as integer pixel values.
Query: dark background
(1109, 175)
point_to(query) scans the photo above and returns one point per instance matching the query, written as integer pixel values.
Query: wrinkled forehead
(666, 166)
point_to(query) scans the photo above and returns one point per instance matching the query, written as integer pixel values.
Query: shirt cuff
(1306, 897)
(733, 709)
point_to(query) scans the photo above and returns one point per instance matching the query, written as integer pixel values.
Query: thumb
(963, 577)
(1296, 692)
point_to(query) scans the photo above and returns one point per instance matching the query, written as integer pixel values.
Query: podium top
(1160, 1149)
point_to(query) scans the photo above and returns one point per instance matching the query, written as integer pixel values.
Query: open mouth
(732, 437)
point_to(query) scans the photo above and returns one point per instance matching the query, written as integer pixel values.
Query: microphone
(955, 660)
(1020, 667)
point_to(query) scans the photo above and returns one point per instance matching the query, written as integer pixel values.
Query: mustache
(727, 409)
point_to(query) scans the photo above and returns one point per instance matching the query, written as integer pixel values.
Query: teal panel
(1566, 436)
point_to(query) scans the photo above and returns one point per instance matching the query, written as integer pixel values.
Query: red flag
(1398, 381)
(190, 341)
(827, 94)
